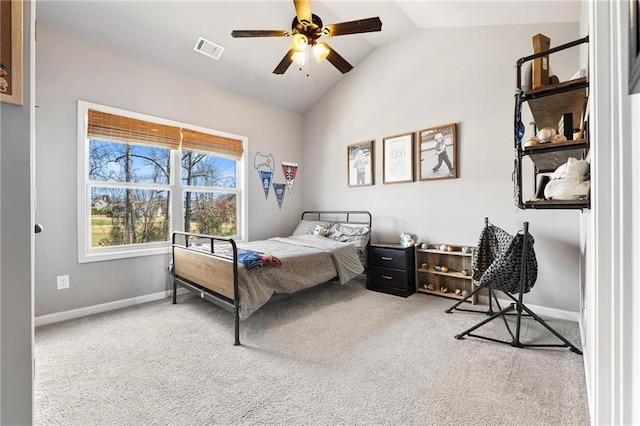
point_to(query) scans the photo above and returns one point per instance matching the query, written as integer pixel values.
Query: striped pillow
(356, 234)
(306, 227)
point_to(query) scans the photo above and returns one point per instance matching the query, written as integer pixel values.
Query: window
(141, 177)
(210, 196)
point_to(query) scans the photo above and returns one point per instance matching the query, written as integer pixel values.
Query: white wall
(70, 69)
(430, 78)
(611, 320)
(634, 315)
(16, 228)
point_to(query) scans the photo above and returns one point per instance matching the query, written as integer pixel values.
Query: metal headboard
(361, 216)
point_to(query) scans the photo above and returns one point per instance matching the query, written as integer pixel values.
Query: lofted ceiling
(165, 32)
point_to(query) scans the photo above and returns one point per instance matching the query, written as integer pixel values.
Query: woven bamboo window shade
(205, 142)
(111, 127)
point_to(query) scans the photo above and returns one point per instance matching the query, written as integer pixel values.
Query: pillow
(356, 234)
(321, 230)
(306, 227)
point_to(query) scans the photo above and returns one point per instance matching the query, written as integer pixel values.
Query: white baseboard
(539, 310)
(103, 307)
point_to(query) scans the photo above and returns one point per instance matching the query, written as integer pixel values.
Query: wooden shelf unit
(548, 105)
(546, 157)
(557, 204)
(453, 279)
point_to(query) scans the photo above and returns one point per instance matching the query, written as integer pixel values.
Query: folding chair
(507, 263)
(490, 244)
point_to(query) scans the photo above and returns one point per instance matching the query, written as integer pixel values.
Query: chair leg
(481, 323)
(515, 339)
(461, 301)
(492, 297)
(555, 333)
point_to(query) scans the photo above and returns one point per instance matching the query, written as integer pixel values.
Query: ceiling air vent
(208, 48)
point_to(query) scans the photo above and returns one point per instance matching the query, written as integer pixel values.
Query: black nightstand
(391, 269)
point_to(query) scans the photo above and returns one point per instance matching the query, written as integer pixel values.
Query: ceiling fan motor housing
(312, 30)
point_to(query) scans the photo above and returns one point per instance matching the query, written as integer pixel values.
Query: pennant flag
(265, 178)
(278, 188)
(290, 170)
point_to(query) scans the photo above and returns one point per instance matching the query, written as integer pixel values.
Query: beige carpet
(334, 354)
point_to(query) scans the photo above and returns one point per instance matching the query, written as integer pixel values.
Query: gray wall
(16, 284)
(70, 69)
(430, 78)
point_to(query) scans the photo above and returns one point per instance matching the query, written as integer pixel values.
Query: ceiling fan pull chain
(306, 60)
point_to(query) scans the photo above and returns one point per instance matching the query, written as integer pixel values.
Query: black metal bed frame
(517, 305)
(224, 302)
(233, 305)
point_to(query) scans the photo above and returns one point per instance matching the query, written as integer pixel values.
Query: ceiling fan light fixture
(321, 51)
(299, 42)
(300, 58)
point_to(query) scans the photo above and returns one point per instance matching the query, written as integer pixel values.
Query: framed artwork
(11, 51)
(397, 159)
(438, 152)
(634, 46)
(360, 164)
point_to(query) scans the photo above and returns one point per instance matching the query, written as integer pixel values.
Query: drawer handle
(386, 258)
(386, 277)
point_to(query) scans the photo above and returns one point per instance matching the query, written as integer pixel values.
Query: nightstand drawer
(387, 258)
(388, 277)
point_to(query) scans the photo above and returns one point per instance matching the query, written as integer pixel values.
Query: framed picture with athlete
(360, 164)
(438, 152)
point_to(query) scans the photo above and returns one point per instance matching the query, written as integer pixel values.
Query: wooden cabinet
(549, 105)
(443, 272)
(391, 269)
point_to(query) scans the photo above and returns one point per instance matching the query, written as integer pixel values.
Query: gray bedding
(307, 260)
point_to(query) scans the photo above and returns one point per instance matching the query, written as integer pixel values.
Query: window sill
(125, 252)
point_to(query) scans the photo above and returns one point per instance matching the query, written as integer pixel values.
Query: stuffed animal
(407, 239)
(322, 231)
(570, 181)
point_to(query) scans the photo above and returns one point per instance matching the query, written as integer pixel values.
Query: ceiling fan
(306, 29)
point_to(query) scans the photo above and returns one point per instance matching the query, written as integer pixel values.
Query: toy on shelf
(570, 181)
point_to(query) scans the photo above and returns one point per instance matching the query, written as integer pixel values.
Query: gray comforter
(307, 260)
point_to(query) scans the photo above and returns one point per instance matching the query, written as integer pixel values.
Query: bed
(242, 276)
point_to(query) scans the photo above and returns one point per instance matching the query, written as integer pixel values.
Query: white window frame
(86, 253)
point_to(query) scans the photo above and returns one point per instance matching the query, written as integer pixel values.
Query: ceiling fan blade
(259, 33)
(303, 11)
(354, 27)
(285, 62)
(337, 60)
